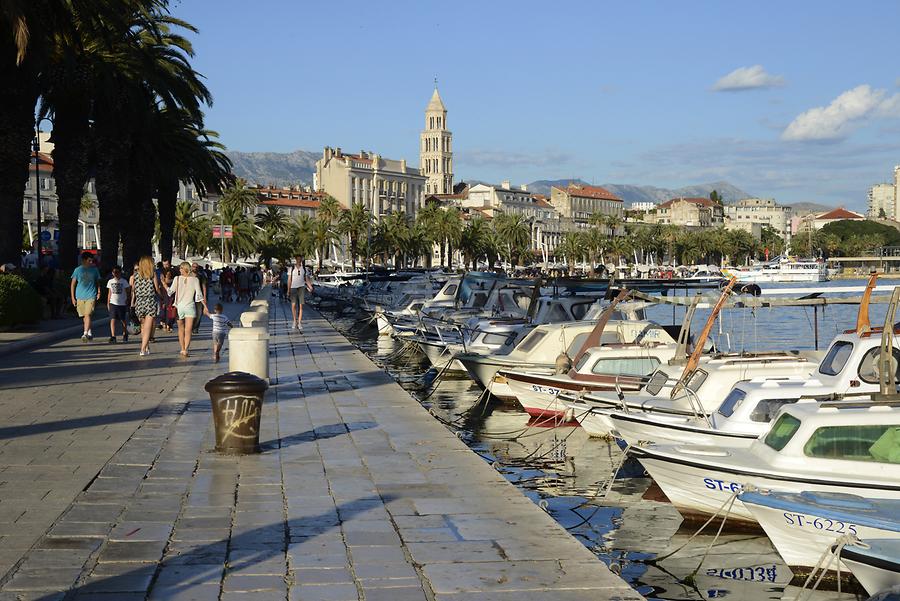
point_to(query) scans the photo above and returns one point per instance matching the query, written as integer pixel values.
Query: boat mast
(694, 360)
(593, 338)
(886, 384)
(862, 316)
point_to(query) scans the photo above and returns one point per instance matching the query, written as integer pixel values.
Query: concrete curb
(46, 338)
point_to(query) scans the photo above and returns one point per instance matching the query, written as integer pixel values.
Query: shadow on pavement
(202, 565)
(322, 432)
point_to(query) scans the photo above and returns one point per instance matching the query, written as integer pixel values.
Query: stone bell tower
(436, 151)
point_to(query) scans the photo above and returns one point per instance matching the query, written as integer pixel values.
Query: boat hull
(636, 429)
(538, 394)
(875, 574)
(800, 537)
(699, 490)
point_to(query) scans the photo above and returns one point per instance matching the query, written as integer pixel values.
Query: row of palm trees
(114, 78)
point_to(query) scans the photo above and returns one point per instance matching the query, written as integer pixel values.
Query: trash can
(237, 399)
(248, 351)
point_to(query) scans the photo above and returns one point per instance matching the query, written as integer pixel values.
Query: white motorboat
(875, 563)
(781, 269)
(848, 370)
(802, 526)
(830, 447)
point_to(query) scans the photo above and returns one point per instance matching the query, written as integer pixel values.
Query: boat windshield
(731, 402)
(626, 366)
(767, 409)
(531, 341)
(782, 431)
(874, 442)
(836, 358)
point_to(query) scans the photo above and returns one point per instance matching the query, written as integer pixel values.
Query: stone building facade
(578, 202)
(701, 212)
(762, 211)
(381, 185)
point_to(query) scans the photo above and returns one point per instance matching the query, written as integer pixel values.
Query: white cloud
(748, 78)
(838, 119)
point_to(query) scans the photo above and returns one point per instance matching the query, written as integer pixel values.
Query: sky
(797, 101)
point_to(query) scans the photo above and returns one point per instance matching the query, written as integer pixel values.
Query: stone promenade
(109, 489)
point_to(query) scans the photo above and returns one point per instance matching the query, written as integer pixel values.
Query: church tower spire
(436, 151)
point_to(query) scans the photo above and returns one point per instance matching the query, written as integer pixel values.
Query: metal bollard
(237, 400)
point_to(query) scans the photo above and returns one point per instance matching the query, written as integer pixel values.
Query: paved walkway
(109, 490)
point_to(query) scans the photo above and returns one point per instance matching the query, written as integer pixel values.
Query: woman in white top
(187, 291)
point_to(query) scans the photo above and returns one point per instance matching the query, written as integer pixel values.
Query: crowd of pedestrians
(162, 296)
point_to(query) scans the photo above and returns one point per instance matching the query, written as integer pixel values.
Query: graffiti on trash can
(240, 414)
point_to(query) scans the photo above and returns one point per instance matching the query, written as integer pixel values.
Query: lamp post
(37, 184)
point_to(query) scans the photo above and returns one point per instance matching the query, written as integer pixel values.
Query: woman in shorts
(186, 290)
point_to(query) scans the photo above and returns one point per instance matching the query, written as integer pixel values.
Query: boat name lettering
(828, 525)
(749, 574)
(716, 484)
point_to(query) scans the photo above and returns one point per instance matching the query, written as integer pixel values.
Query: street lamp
(37, 183)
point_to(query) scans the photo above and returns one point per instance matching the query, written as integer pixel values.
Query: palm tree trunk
(71, 170)
(18, 95)
(112, 195)
(166, 199)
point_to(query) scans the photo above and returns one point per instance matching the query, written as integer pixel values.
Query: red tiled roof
(697, 201)
(296, 203)
(585, 191)
(840, 213)
(541, 202)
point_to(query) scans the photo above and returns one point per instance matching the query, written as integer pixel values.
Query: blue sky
(793, 100)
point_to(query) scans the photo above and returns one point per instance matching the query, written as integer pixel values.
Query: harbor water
(571, 475)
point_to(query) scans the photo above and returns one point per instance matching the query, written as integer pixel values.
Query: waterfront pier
(111, 490)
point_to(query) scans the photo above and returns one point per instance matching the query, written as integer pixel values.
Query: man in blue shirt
(85, 291)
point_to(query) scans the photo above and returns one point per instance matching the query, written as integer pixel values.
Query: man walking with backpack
(298, 283)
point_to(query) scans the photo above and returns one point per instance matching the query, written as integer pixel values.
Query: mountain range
(297, 167)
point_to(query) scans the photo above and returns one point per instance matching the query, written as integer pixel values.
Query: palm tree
(515, 233)
(238, 196)
(355, 223)
(272, 221)
(244, 240)
(427, 219)
(595, 242)
(322, 236)
(570, 248)
(448, 228)
(474, 241)
(299, 236)
(185, 226)
(329, 210)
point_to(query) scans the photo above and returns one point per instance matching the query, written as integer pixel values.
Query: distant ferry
(781, 269)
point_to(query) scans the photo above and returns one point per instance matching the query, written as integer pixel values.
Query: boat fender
(563, 363)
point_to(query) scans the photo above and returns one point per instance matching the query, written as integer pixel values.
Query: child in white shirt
(117, 304)
(221, 324)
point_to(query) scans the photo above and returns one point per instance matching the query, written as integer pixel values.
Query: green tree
(323, 235)
(570, 249)
(272, 221)
(329, 210)
(447, 230)
(427, 219)
(474, 241)
(355, 223)
(514, 232)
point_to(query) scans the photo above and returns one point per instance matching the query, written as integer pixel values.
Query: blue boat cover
(883, 514)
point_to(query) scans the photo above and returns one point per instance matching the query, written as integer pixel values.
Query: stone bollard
(237, 400)
(248, 351)
(259, 304)
(255, 319)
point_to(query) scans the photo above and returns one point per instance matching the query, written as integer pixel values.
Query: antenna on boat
(886, 384)
(596, 334)
(684, 334)
(862, 316)
(535, 296)
(694, 359)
